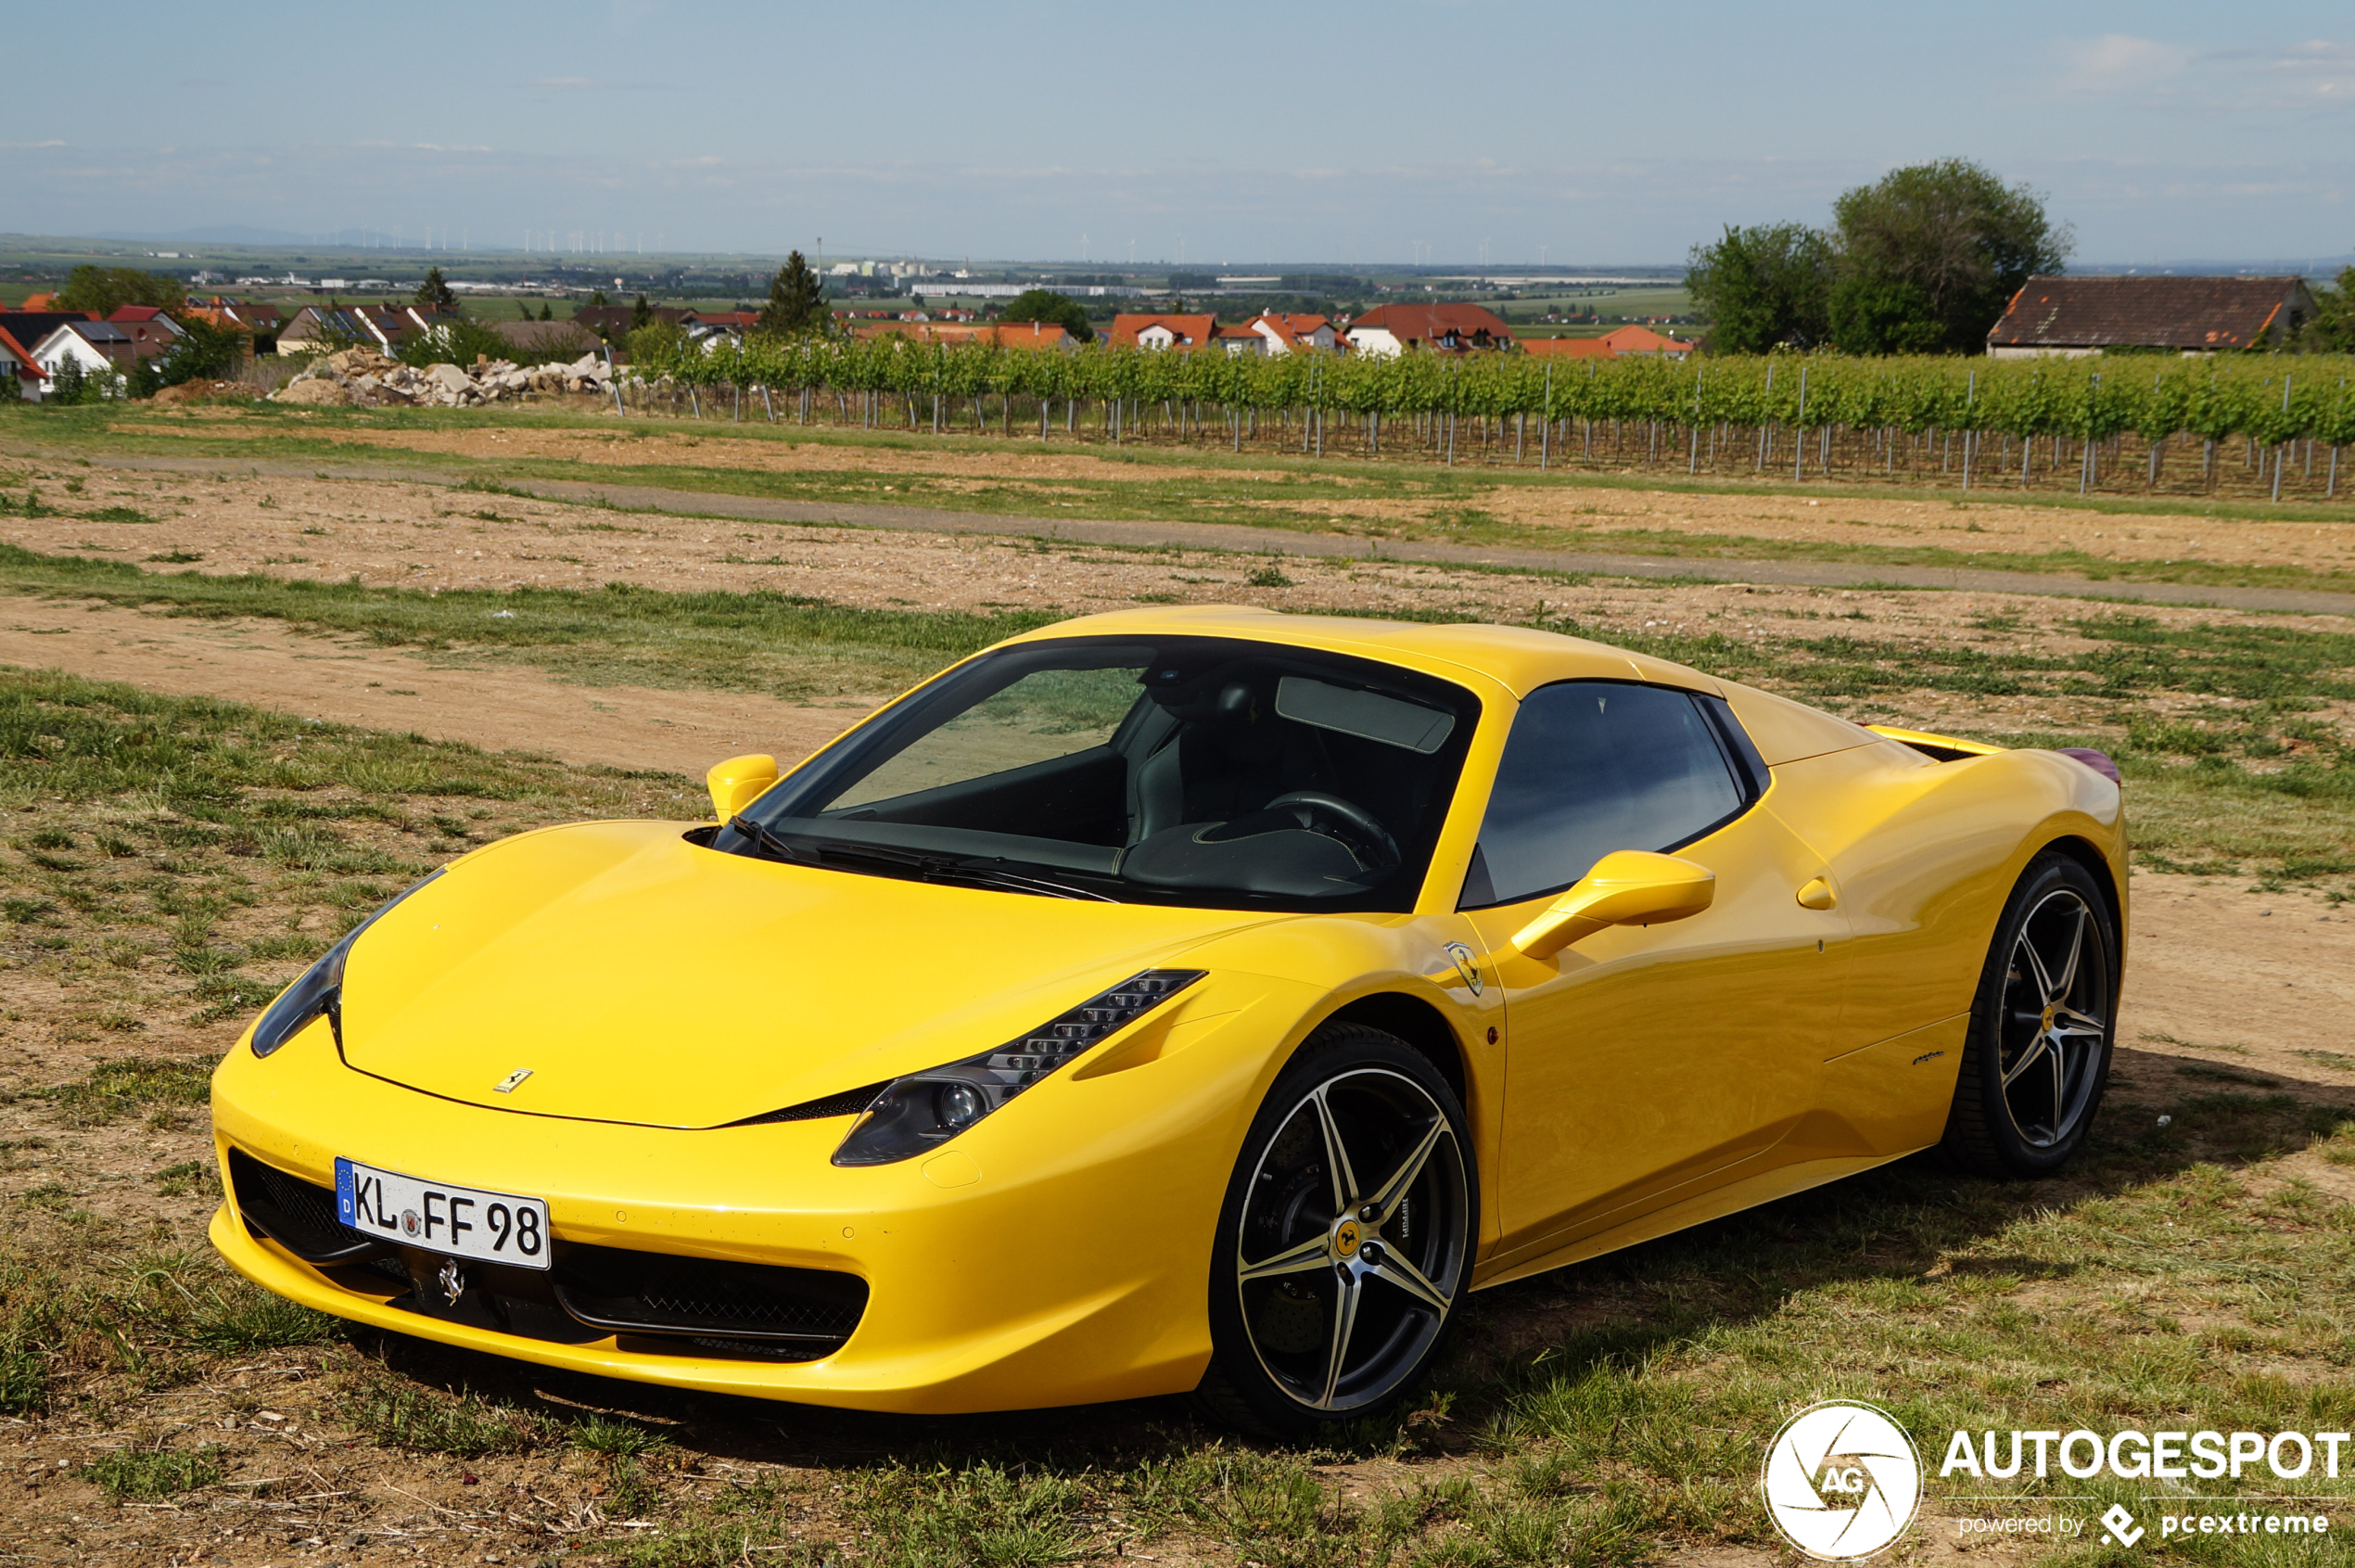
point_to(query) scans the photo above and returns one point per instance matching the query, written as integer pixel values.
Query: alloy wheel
(1353, 1241)
(2055, 1017)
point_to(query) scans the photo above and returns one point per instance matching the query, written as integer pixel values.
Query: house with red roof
(18, 370)
(150, 330)
(1146, 330)
(1444, 328)
(1284, 333)
(1642, 343)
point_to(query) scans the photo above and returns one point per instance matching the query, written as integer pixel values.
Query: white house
(1283, 332)
(100, 348)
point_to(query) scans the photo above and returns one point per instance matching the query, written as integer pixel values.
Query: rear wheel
(1345, 1244)
(2038, 1056)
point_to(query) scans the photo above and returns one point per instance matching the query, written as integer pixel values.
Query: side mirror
(1627, 888)
(739, 781)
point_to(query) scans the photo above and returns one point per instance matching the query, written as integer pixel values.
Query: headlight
(919, 1113)
(319, 990)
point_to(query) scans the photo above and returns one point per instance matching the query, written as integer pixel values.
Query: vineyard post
(1798, 430)
(1545, 432)
(1692, 445)
(1970, 426)
(613, 379)
(767, 404)
(2281, 456)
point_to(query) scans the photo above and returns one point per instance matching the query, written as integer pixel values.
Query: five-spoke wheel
(2039, 1054)
(1345, 1243)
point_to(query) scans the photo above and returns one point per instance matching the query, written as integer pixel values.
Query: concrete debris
(362, 377)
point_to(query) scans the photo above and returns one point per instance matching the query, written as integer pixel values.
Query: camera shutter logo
(1842, 1481)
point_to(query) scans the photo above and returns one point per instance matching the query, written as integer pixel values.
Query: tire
(2037, 1059)
(1377, 1244)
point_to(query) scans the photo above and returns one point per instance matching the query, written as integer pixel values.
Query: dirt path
(496, 707)
(1771, 518)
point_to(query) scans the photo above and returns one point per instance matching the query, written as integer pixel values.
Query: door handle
(1817, 893)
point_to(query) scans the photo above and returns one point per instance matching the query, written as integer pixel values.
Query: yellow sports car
(1195, 999)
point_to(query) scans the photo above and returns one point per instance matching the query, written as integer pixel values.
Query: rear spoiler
(1948, 748)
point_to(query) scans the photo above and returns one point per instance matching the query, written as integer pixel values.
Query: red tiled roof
(23, 354)
(1425, 324)
(2151, 312)
(1568, 348)
(1644, 341)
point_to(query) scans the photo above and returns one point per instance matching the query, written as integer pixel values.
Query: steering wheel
(1362, 824)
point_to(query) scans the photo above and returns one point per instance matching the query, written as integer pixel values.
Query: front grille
(731, 1309)
(298, 1215)
(651, 1293)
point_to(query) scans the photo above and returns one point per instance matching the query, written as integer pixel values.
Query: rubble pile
(362, 377)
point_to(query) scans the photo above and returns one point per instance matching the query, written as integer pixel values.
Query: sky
(1217, 134)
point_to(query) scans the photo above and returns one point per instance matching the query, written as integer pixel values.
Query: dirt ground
(2248, 987)
(1971, 526)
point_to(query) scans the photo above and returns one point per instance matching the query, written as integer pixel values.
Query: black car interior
(1242, 767)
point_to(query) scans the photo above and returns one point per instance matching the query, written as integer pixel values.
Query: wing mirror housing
(1626, 887)
(739, 781)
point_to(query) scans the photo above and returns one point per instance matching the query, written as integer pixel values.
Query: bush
(456, 341)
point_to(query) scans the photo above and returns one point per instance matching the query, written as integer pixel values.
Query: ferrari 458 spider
(1198, 999)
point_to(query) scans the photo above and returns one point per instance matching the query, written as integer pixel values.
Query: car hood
(639, 978)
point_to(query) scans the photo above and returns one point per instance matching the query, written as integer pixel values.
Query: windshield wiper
(947, 868)
(762, 838)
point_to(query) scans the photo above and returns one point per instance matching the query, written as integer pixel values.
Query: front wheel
(2038, 1056)
(1345, 1244)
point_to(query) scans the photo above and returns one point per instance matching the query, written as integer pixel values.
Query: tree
(1763, 287)
(1884, 315)
(202, 350)
(641, 315)
(1055, 310)
(1931, 254)
(103, 290)
(2332, 329)
(547, 311)
(796, 301)
(434, 294)
(596, 300)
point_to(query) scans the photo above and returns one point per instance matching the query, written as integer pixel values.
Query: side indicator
(507, 1084)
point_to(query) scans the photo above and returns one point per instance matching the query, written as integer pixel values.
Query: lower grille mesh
(651, 1293)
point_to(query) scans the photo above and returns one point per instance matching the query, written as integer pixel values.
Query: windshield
(1196, 771)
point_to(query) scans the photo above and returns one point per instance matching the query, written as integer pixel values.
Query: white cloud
(2320, 71)
(2118, 62)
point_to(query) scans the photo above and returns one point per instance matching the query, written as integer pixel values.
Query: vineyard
(2268, 425)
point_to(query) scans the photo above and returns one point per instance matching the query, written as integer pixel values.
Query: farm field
(180, 833)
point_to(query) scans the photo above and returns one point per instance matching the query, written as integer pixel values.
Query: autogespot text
(2135, 1456)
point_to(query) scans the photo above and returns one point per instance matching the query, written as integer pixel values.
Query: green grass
(128, 1085)
(148, 1475)
(398, 1414)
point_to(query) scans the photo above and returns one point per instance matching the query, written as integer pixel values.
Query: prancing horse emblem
(452, 1280)
(1466, 965)
(507, 1084)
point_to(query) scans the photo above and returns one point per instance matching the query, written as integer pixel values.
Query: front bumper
(1056, 1253)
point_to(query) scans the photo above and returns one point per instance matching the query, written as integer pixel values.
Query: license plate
(461, 1221)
